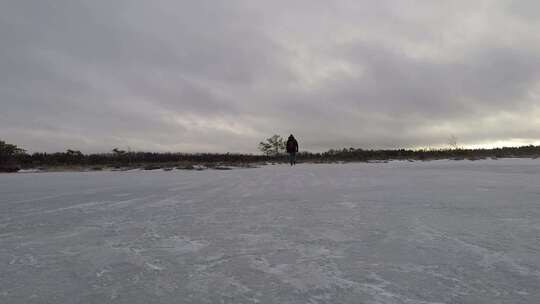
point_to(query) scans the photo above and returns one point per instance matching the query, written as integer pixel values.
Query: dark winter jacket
(292, 145)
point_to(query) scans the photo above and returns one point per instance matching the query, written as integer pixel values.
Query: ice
(397, 232)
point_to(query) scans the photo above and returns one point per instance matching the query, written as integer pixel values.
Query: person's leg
(293, 158)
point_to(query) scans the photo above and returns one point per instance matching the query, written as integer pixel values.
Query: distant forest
(13, 159)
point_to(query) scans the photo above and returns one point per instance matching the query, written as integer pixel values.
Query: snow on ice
(397, 232)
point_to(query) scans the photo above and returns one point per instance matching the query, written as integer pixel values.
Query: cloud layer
(220, 76)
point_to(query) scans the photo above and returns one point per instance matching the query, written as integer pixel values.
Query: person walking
(292, 149)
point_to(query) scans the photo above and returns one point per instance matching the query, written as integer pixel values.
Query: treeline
(13, 158)
(132, 159)
(349, 154)
(352, 154)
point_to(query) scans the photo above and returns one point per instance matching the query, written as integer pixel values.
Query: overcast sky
(218, 76)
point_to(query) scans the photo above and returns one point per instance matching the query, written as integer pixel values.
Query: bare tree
(453, 142)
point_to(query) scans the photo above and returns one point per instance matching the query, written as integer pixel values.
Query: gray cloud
(220, 76)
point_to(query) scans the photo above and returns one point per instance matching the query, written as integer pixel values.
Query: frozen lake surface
(400, 232)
